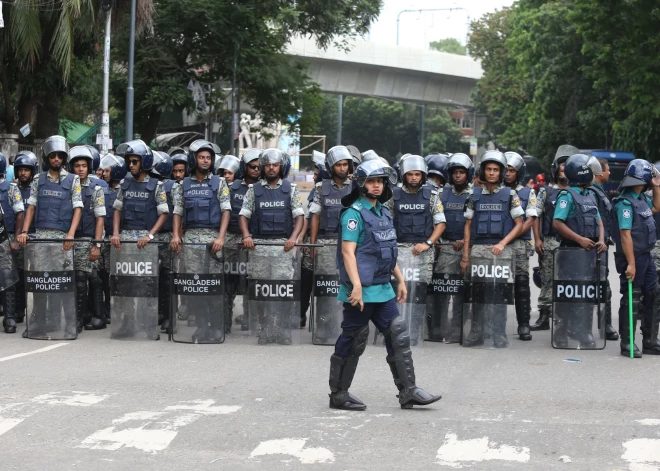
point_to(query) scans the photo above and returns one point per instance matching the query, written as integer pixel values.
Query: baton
(279, 244)
(103, 241)
(630, 318)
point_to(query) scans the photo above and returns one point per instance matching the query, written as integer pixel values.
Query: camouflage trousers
(444, 312)
(655, 253)
(522, 251)
(550, 244)
(232, 286)
(81, 261)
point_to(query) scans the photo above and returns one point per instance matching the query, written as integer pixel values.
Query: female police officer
(366, 258)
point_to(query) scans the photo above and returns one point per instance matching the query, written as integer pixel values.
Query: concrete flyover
(393, 72)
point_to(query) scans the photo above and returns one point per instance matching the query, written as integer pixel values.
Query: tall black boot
(9, 301)
(523, 306)
(20, 297)
(164, 299)
(403, 371)
(651, 344)
(584, 327)
(543, 322)
(97, 320)
(105, 280)
(610, 332)
(624, 323)
(342, 371)
(476, 335)
(82, 300)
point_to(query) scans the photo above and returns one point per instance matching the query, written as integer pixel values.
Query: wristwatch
(151, 236)
(98, 245)
(429, 243)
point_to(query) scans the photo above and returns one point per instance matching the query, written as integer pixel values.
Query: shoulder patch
(352, 225)
(563, 204)
(627, 213)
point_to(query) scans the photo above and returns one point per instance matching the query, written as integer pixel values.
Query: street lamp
(398, 18)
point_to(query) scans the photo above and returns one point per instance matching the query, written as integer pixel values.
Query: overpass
(398, 73)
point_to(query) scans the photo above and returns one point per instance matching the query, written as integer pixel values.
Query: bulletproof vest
(110, 198)
(87, 225)
(238, 191)
(524, 201)
(202, 205)
(272, 217)
(643, 231)
(139, 205)
(167, 186)
(412, 214)
(331, 208)
(25, 194)
(7, 209)
(549, 211)
(454, 208)
(583, 221)
(55, 209)
(492, 220)
(604, 208)
(376, 257)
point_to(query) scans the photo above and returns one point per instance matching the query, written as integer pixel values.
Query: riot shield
(488, 311)
(416, 274)
(8, 271)
(579, 294)
(51, 291)
(444, 302)
(198, 283)
(274, 294)
(236, 278)
(134, 292)
(327, 311)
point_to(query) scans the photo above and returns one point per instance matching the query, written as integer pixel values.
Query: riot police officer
(522, 248)
(179, 166)
(545, 236)
(493, 216)
(437, 173)
(55, 188)
(203, 200)
(366, 258)
(634, 232)
(87, 254)
(272, 211)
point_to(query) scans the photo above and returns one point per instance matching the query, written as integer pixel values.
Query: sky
(419, 29)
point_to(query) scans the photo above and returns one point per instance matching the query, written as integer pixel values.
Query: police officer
(460, 171)
(419, 221)
(12, 209)
(324, 211)
(601, 171)
(55, 188)
(489, 230)
(141, 206)
(366, 258)
(545, 236)
(25, 169)
(86, 254)
(522, 246)
(635, 237)
(437, 173)
(179, 166)
(578, 224)
(272, 211)
(203, 200)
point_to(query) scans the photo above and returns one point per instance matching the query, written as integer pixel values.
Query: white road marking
(642, 454)
(13, 414)
(40, 350)
(77, 398)
(649, 421)
(154, 431)
(454, 452)
(294, 447)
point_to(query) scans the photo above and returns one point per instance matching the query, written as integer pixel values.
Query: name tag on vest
(454, 206)
(332, 201)
(490, 207)
(136, 194)
(385, 235)
(57, 194)
(271, 204)
(410, 207)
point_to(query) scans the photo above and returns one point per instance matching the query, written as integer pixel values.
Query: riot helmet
(81, 153)
(51, 145)
(228, 162)
(515, 160)
(638, 172)
(96, 158)
(374, 169)
(337, 154)
(323, 173)
(163, 164)
(355, 154)
(458, 161)
(493, 156)
(247, 157)
(117, 166)
(437, 165)
(561, 156)
(275, 156)
(176, 150)
(577, 170)
(413, 163)
(369, 155)
(595, 166)
(138, 148)
(26, 159)
(196, 147)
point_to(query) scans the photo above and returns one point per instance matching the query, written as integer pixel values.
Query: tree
(450, 45)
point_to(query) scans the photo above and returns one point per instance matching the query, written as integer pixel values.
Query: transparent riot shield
(236, 282)
(488, 312)
(579, 294)
(327, 311)
(198, 283)
(416, 271)
(134, 292)
(444, 302)
(51, 291)
(8, 270)
(274, 294)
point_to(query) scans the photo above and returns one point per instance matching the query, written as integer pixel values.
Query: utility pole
(340, 116)
(421, 133)
(234, 113)
(130, 92)
(105, 116)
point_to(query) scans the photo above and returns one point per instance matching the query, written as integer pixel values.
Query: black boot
(523, 306)
(97, 321)
(543, 322)
(584, 328)
(105, 280)
(342, 371)
(624, 323)
(20, 297)
(560, 331)
(82, 300)
(651, 344)
(476, 335)
(610, 332)
(9, 301)
(164, 299)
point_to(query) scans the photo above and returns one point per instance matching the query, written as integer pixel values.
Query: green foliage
(450, 45)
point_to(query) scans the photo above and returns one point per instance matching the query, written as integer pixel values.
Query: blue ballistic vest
(110, 198)
(524, 201)
(54, 209)
(643, 231)
(238, 191)
(7, 209)
(549, 212)
(140, 211)
(87, 226)
(201, 201)
(331, 209)
(272, 217)
(376, 257)
(492, 219)
(167, 186)
(583, 221)
(604, 208)
(412, 214)
(454, 208)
